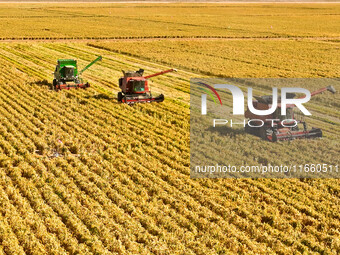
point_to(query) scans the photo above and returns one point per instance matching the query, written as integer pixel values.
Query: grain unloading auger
(135, 88)
(274, 130)
(66, 75)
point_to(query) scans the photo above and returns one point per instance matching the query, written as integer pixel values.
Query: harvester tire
(54, 84)
(247, 129)
(263, 133)
(274, 137)
(120, 97)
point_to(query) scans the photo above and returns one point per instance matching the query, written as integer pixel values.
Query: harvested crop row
(106, 177)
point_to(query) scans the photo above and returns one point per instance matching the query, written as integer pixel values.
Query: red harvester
(275, 131)
(135, 87)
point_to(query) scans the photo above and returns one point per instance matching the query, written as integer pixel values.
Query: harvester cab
(272, 128)
(66, 70)
(66, 75)
(135, 87)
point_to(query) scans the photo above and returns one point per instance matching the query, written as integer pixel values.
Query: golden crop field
(83, 174)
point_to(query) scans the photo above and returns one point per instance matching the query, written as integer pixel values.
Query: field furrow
(81, 173)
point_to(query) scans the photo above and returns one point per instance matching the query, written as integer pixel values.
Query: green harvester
(66, 75)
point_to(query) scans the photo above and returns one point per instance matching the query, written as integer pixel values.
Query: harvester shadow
(43, 83)
(101, 96)
(224, 130)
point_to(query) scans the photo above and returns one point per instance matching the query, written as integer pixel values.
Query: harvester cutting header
(135, 88)
(66, 75)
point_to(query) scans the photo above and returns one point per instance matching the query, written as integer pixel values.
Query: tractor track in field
(167, 38)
